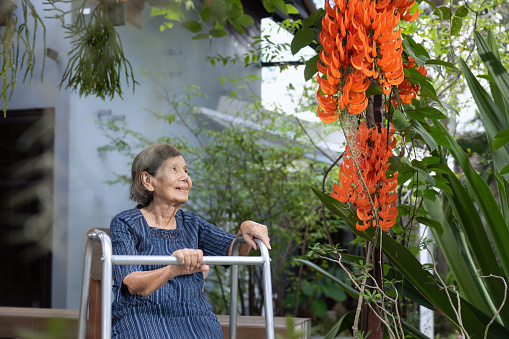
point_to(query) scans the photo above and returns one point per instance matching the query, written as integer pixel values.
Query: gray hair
(149, 160)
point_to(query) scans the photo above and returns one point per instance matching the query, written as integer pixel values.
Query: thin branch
(501, 305)
(323, 207)
(312, 141)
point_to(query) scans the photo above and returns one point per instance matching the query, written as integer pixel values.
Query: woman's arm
(147, 282)
(250, 230)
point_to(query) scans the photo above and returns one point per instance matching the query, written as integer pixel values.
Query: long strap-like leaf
(494, 66)
(468, 284)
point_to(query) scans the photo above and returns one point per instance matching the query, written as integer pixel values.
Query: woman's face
(172, 183)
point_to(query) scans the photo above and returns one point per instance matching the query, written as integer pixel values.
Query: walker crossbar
(108, 260)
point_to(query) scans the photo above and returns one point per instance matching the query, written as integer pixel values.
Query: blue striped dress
(178, 310)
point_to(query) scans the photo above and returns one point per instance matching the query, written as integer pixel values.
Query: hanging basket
(7, 8)
(117, 11)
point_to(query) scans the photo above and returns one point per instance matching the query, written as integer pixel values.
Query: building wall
(82, 198)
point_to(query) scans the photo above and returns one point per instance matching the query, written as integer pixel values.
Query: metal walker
(108, 260)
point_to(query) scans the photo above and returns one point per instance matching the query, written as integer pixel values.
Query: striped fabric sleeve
(213, 240)
(123, 243)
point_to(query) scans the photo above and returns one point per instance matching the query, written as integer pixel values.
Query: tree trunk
(370, 321)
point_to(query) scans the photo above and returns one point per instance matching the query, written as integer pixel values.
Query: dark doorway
(26, 207)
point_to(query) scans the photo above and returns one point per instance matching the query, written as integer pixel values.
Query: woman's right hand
(192, 261)
(147, 282)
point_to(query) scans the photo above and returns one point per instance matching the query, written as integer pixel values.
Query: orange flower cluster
(372, 153)
(407, 91)
(359, 35)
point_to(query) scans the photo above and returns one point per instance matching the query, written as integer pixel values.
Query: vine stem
(329, 238)
(501, 305)
(457, 311)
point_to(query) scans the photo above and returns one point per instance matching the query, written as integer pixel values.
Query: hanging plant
(14, 59)
(96, 61)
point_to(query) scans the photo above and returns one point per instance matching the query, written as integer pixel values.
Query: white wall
(82, 198)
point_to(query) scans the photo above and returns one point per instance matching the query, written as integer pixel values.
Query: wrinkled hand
(250, 229)
(192, 261)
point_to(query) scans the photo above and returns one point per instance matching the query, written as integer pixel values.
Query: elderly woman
(167, 301)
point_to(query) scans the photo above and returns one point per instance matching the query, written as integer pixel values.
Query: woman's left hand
(250, 229)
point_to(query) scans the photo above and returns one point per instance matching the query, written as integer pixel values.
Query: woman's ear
(146, 180)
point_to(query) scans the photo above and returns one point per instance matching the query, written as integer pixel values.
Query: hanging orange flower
(359, 42)
(372, 151)
(407, 91)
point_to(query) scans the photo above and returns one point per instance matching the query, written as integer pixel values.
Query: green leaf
(334, 292)
(173, 12)
(493, 119)
(269, 6)
(479, 190)
(302, 38)
(431, 223)
(218, 8)
(432, 4)
(395, 163)
(430, 194)
(426, 113)
(494, 66)
(457, 22)
(319, 308)
(458, 263)
(307, 288)
(280, 4)
(492, 42)
(501, 138)
(205, 14)
(495, 91)
(443, 12)
(486, 77)
(405, 174)
(311, 68)
(415, 77)
(415, 50)
(441, 63)
(399, 120)
(314, 19)
(444, 187)
(439, 168)
(428, 139)
(217, 32)
(291, 9)
(245, 20)
(427, 90)
(193, 26)
(439, 48)
(374, 90)
(430, 160)
(461, 12)
(426, 176)
(419, 164)
(236, 10)
(200, 36)
(345, 323)
(505, 170)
